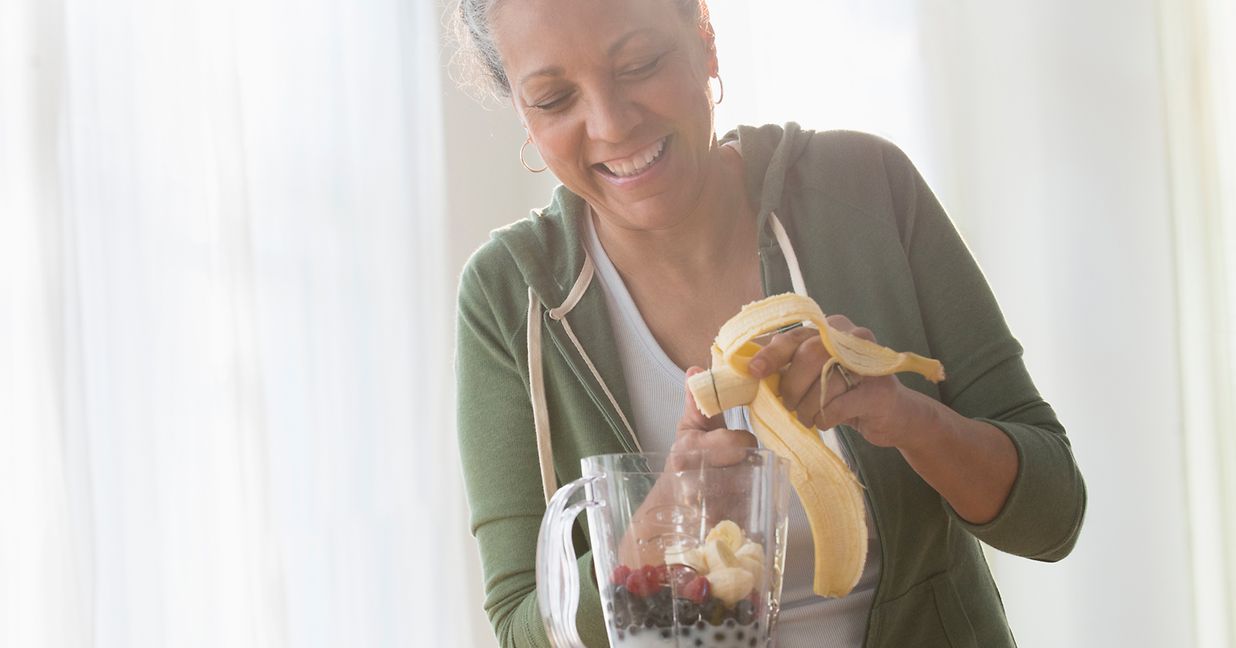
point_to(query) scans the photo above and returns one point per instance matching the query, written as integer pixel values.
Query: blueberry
(686, 610)
(621, 593)
(633, 612)
(744, 612)
(713, 612)
(662, 617)
(661, 598)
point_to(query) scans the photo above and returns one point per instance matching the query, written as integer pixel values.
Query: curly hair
(476, 57)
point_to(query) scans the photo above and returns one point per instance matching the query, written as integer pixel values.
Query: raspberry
(660, 574)
(641, 584)
(698, 590)
(619, 577)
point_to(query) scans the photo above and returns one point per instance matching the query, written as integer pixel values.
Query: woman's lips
(654, 155)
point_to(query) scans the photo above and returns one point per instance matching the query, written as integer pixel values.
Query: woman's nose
(612, 117)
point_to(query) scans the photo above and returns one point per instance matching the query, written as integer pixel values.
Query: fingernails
(756, 368)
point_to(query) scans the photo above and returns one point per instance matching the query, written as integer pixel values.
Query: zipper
(585, 379)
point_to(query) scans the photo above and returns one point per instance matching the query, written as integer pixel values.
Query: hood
(548, 245)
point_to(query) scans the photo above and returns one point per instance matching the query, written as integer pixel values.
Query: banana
(728, 532)
(754, 566)
(731, 584)
(830, 493)
(718, 555)
(750, 549)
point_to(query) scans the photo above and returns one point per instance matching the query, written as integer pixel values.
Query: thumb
(692, 419)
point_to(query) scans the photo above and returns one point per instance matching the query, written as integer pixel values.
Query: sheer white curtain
(1091, 173)
(1199, 65)
(224, 402)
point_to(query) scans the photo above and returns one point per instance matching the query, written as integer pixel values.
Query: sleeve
(502, 476)
(987, 379)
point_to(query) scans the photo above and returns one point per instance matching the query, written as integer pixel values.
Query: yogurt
(699, 635)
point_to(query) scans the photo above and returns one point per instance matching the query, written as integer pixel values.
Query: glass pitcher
(688, 549)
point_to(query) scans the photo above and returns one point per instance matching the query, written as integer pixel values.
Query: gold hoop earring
(521, 157)
(721, 93)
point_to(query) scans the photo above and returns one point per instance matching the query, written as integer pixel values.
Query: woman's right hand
(679, 485)
(698, 432)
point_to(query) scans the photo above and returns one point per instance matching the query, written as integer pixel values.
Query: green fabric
(873, 244)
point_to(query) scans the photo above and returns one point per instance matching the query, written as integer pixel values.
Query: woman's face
(614, 94)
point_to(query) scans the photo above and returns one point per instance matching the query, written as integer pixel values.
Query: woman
(582, 322)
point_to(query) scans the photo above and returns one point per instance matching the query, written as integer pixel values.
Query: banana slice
(750, 549)
(731, 584)
(754, 566)
(718, 555)
(728, 532)
(830, 493)
(751, 558)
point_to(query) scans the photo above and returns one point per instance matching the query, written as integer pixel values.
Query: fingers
(803, 373)
(719, 447)
(865, 408)
(809, 406)
(779, 351)
(726, 447)
(842, 409)
(843, 324)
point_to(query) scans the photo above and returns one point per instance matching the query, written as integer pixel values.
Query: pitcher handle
(557, 575)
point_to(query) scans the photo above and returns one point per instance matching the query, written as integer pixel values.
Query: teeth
(637, 162)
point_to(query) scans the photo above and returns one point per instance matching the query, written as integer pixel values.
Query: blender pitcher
(688, 548)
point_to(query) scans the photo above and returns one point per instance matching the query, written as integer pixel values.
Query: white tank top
(657, 390)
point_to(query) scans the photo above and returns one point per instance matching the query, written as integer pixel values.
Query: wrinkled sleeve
(987, 379)
(497, 445)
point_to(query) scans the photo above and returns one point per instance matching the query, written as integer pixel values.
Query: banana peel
(830, 492)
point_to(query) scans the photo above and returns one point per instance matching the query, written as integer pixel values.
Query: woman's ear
(709, 38)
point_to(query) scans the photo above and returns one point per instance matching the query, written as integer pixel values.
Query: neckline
(629, 310)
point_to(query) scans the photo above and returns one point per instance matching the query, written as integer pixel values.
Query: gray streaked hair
(476, 60)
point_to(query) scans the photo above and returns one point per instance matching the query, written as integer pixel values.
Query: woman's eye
(552, 104)
(643, 69)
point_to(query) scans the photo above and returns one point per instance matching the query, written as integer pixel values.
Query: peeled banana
(830, 493)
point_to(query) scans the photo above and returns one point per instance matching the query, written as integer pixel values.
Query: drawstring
(791, 259)
(800, 287)
(536, 381)
(536, 378)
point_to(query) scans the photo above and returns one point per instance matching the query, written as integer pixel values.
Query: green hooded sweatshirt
(872, 243)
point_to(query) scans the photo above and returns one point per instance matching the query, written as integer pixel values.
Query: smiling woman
(581, 323)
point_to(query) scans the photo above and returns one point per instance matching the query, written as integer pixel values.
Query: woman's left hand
(879, 407)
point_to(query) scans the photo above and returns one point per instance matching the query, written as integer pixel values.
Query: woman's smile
(641, 167)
